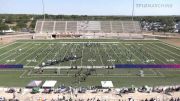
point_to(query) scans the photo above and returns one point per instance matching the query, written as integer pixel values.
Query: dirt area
(175, 42)
(6, 39)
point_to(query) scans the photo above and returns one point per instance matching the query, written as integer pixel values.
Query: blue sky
(89, 7)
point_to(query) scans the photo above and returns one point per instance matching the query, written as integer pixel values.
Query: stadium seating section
(87, 27)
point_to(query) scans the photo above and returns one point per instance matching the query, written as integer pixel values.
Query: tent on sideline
(49, 84)
(34, 83)
(107, 84)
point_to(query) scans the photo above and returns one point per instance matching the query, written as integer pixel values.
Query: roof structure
(49, 84)
(34, 83)
(107, 84)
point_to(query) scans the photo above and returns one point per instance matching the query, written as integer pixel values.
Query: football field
(89, 54)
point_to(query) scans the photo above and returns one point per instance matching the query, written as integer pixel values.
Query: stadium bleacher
(71, 26)
(106, 26)
(129, 27)
(48, 27)
(117, 27)
(60, 26)
(87, 27)
(38, 26)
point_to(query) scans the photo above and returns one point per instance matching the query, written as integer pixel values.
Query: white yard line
(98, 75)
(7, 45)
(11, 70)
(45, 56)
(161, 53)
(121, 53)
(28, 66)
(112, 63)
(170, 45)
(22, 75)
(66, 52)
(82, 54)
(143, 55)
(33, 53)
(115, 53)
(177, 59)
(23, 52)
(10, 54)
(13, 49)
(166, 49)
(95, 54)
(153, 55)
(26, 55)
(138, 53)
(131, 53)
(73, 53)
(58, 52)
(91, 57)
(100, 57)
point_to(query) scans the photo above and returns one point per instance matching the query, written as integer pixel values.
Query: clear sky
(92, 7)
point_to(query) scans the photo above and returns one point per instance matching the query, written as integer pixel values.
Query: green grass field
(108, 52)
(94, 53)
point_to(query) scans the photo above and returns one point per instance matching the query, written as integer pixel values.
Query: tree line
(18, 21)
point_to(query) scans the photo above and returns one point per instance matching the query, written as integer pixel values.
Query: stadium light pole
(132, 15)
(133, 10)
(43, 10)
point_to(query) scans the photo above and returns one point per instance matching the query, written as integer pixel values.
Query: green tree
(3, 26)
(168, 24)
(10, 19)
(33, 23)
(21, 24)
